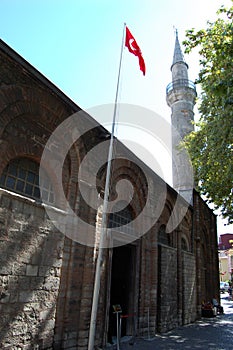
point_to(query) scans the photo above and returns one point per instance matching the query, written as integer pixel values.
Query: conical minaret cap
(178, 55)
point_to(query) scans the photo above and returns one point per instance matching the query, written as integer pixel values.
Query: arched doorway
(123, 277)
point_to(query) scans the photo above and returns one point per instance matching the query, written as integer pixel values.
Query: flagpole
(95, 300)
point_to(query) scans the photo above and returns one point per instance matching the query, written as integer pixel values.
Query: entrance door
(122, 289)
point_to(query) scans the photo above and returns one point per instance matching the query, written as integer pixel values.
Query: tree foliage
(211, 145)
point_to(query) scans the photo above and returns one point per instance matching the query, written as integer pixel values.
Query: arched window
(121, 217)
(163, 236)
(184, 245)
(21, 175)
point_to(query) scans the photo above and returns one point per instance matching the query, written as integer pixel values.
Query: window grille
(21, 175)
(121, 218)
(184, 245)
(163, 236)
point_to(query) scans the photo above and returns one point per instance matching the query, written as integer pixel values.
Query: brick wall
(206, 251)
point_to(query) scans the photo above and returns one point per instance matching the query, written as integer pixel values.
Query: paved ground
(209, 333)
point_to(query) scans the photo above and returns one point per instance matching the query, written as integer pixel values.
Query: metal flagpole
(104, 217)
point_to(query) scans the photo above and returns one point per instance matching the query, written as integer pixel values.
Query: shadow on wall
(31, 257)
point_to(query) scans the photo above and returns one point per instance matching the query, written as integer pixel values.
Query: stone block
(36, 258)
(44, 271)
(6, 269)
(19, 269)
(44, 315)
(28, 307)
(57, 263)
(36, 282)
(48, 325)
(25, 297)
(46, 341)
(47, 304)
(51, 283)
(69, 343)
(32, 270)
(24, 283)
(5, 297)
(13, 282)
(4, 282)
(19, 329)
(14, 297)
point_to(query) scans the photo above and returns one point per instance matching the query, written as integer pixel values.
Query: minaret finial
(178, 55)
(175, 31)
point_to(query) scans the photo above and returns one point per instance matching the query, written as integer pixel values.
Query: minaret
(181, 95)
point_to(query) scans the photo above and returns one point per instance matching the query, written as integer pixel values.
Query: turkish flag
(133, 47)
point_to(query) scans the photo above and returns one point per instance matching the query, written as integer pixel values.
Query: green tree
(211, 145)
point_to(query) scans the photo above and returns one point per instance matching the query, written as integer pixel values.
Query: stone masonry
(31, 260)
(47, 277)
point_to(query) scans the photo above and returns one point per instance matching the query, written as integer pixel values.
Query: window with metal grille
(184, 245)
(121, 218)
(21, 175)
(163, 236)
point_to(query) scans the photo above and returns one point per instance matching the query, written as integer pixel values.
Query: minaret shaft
(181, 96)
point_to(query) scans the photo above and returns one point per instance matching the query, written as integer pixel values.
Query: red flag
(133, 47)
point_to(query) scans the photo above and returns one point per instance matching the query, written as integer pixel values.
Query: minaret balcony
(179, 84)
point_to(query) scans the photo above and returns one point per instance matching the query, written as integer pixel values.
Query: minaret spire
(178, 54)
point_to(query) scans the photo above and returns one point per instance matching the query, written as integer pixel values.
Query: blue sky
(76, 44)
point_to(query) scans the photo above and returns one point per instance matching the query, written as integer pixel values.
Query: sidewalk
(208, 333)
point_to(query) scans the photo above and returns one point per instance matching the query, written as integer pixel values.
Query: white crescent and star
(131, 44)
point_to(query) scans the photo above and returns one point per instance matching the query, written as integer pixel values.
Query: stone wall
(31, 259)
(46, 279)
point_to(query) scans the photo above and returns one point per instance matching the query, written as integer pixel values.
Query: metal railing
(180, 83)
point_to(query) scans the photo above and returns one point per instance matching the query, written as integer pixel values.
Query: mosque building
(162, 260)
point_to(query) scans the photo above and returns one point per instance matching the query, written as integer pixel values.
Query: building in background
(225, 253)
(46, 277)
